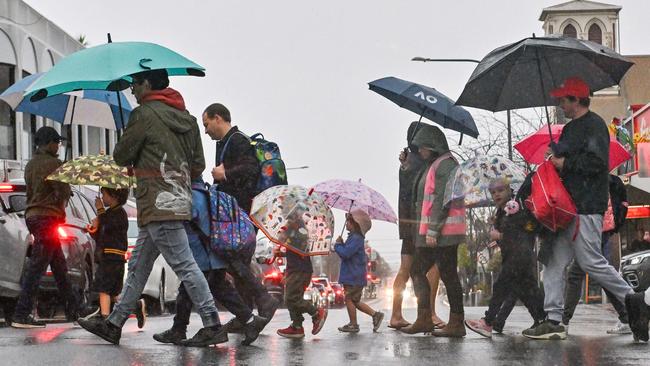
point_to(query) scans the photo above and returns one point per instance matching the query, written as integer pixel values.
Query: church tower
(582, 19)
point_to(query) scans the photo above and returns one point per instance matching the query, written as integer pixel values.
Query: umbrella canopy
(296, 218)
(533, 148)
(108, 66)
(522, 74)
(471, 179)
(94, 170)
(347, 195)
(96, 108)
(426, 102)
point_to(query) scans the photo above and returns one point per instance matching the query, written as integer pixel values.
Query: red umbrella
(533, 148)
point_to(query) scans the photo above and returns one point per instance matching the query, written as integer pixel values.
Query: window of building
(595, 34)
(28, 132)
(94, 140)
(570, 31)
(80, 140)
(107, 139)
(7, 115)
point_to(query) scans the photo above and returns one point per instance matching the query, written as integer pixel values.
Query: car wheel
(85, 291)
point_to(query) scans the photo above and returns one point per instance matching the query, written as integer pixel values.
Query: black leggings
(446, 258)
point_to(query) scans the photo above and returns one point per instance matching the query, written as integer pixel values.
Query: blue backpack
(231, 230)
(272, 169)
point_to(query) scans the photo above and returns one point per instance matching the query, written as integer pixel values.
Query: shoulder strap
(225, 146)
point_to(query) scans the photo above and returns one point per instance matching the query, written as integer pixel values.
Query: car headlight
(638, 259)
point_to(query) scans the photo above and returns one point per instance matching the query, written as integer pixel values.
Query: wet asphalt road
(65, 344)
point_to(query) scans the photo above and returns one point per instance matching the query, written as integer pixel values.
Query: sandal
(439, 323)
(399, 326)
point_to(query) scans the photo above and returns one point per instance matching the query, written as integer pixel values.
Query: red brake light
(369, 276)
(274, 274)
(62, 233)
(6, 188)
(338, 292)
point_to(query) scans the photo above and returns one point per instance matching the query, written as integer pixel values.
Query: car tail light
(338, 292)
(63, 235)
(6, 188)
(369, 276)
(280, 261)
(274, 274)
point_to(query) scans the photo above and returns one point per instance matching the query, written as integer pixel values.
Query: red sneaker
(319, 320)
(291, 332)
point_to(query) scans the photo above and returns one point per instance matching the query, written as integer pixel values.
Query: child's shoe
(318, 320)
(376, 320)
(292, 332)
(480, 327)
(349, 328)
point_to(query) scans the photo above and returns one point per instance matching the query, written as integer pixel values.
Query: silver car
(162, 286)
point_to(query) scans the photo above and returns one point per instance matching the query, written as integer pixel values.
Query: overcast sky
(297, 71)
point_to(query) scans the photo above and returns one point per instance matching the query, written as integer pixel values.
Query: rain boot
(455, 327)
(422, 324)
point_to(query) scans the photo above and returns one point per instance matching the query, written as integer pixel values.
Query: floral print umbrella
(347, 195)
(296, 218)
(471, 179)
(94, 170)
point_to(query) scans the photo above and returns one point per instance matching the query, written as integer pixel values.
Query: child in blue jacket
(354, 270)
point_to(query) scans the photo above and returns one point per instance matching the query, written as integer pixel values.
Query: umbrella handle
(415, 130)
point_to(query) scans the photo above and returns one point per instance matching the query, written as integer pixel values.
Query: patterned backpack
(231, 230)
(272, 169)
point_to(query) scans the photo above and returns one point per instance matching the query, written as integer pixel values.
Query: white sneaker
(620, 328)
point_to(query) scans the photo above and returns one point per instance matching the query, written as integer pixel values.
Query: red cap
(574, 87)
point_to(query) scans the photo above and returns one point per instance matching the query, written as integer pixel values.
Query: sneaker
(292, 332)
(480, 327)
(349, 328)
(252, 330)
(638, 314)
(173, 336)
(102, 328)
(141, 313)
(546, 330)
(206, 337)
(620, 328)
(268, 309)
(377, 318)
(27, 323)
(234, 326)
(318, 320)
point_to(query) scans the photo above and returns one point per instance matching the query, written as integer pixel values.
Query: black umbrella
(426, 102)
(522, 74)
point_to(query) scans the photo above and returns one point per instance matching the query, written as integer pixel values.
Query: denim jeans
(223, 292)
(169, 239)
(46, 251)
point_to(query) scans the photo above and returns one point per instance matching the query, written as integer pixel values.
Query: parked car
(635, 269)
(329, 291)
(162, 286)
(313, 294)
(339, 293)
(15, 244)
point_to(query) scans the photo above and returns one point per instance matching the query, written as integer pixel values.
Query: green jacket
(432, 138)
(163, 144)
(45, 198)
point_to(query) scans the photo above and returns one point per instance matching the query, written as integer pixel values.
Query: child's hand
(99, 204)
(495, 234)
(431, 241)
(339, 240)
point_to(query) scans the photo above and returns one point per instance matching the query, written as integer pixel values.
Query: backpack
(272, 169)
(549, 200)
(231, 230)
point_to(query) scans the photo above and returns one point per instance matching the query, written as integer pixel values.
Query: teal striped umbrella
(107, 67)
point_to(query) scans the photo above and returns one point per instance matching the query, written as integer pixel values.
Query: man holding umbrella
(581, 157)
(162, 143)
(46, 202)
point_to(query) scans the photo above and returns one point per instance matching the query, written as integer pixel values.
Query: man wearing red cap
(581, 157)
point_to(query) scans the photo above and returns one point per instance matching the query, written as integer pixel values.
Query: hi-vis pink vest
(455, 221)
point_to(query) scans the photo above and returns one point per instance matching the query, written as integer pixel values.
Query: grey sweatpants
(169, 239)
(586, 248)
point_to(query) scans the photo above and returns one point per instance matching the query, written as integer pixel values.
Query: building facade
(30, 43)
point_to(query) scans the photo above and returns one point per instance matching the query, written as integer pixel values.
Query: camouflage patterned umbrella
(94, 170)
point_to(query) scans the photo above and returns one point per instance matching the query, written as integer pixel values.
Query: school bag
(273, 172)
(549, 201)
